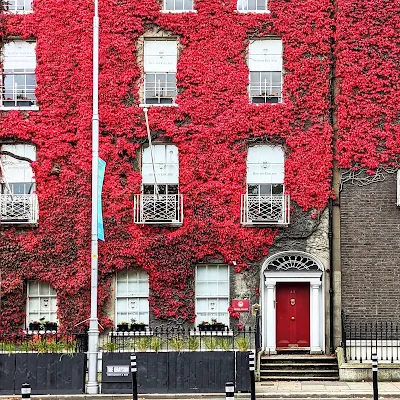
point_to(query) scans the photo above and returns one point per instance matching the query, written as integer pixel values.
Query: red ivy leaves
(212, 127)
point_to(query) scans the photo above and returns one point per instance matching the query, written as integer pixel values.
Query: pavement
(264, 390)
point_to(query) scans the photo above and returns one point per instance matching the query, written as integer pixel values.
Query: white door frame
(298, 272)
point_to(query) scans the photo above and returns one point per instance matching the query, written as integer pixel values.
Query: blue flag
(100, 179)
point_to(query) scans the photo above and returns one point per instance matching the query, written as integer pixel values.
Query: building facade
(252, 109)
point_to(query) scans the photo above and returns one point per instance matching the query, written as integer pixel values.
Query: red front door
(292, 315)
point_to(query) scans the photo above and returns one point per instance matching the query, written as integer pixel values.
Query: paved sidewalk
(326, 389)
(270, 390)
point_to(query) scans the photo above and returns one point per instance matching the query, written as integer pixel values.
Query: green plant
(177, 343)
(210, 343)
(8, 347)
(156, 344)
(193, 343)
(110, 346)
(224, 343)
(242, 344)
(142, 343)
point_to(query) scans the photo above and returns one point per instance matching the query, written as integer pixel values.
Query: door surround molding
(310, 270)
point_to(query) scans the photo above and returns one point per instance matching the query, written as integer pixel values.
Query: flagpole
(92, 386)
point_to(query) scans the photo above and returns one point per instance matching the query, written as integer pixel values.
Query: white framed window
(160, 201)
(160, 62)
(178, 5)
(212, 293)
(18, 75)
(265, 65)
(265, 201)
(18, 200)
(18, 6)
(132, 297)
(16, 175)
(252, 5)
(41, 302)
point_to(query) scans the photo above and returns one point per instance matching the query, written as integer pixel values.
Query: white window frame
(268, 89)
(219, 315)
(138, 276)
(18, 6)
(159, 84)
(16, 98)
(179, 10)
(46, 293)
(242, 6)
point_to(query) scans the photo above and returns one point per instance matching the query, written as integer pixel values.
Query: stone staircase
(305, 367)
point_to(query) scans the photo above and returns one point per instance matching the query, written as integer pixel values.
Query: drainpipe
(331, 308)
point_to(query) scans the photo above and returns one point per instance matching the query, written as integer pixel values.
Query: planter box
(34, 326)
(122, 328)
(51, 326)
(212, 328)
(138, 327)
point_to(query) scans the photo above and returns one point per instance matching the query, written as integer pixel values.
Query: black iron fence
(362, 339)
(178, 339)
(45, 342)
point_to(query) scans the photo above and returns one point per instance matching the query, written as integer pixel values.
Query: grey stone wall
(370, 250)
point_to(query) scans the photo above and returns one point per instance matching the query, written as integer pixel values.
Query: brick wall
(370, 251)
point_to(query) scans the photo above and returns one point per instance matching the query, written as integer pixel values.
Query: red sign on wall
(241, 305)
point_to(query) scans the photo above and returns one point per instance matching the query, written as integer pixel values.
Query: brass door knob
(292, 318)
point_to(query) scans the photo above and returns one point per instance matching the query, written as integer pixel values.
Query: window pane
(251, 4)
(188, 4)
(277, 189)
(178, 4)
(122, 288)
(201, 289)
(223, 289)
(169, 4)
(265, 189)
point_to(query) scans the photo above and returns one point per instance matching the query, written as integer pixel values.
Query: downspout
(332, 121)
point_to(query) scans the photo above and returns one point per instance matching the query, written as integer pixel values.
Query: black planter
(122, 328)
(50, 326)
(34, 326)
(212, 328)
(138, 327)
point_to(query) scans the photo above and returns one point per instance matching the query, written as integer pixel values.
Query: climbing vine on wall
(211, 126)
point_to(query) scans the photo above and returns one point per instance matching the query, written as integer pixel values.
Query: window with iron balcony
(160, 202)
(160, 61)
(18, 76)
(18, 200)
(265, 202)
(18, 6)
(252, 6)
(265, 65)
(178, 5)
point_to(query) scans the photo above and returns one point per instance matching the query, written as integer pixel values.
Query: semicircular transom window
(293, 261)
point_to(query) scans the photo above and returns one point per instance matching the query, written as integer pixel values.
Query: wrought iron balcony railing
(18, 209)
(164, 209)
(261, 209)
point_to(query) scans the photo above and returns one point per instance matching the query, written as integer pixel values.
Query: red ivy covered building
(249, 105)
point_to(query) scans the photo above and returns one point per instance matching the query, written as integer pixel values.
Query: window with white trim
(18, 200)
(18, 6)
(252, 5)
(41, 302)
(265, 202)
(212, 293)
(132, 297)
(160, 201)
(16, 175)
(178, 5)
(160, 61)
(265, 65)
(18, 75)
